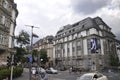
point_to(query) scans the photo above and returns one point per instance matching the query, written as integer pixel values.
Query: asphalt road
(73, 76)
(65, 75)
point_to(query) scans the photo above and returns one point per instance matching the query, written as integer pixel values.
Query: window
(89, 46)
(1, 39)
(68, 38)
(73, 30)
(69, 31)
(73, 49)
(76, 24)
(0, 18)
(3, 20)
(78, 46)
(88, 32)
(68, 50)
(5, 4)
(83, 26)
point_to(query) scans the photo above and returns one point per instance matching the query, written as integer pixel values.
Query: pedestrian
(70, 70)
(33, 72)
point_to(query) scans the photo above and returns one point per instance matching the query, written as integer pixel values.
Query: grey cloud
(88, 6)
(113, 22)
(118, 36)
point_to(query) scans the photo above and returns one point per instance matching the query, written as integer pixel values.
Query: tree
(114, 60)
(35, 54)
(23, 38)
(20, 53)
(43, 56)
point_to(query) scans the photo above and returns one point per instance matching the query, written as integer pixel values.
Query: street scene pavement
(65, 75)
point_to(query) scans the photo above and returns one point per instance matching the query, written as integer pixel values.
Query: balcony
(79, 58)
(73, 57)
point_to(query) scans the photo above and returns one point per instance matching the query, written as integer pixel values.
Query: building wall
(77, 44)
(47, 44)
(8, 14)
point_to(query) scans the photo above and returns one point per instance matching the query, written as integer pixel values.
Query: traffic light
(9, 59)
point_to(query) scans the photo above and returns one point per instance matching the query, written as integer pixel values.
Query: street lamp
(30, 58)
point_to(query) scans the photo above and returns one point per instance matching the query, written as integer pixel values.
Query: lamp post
(30, 58)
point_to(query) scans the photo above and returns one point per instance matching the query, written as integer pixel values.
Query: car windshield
(86, 77)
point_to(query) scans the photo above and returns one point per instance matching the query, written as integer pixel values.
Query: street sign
(30, 59)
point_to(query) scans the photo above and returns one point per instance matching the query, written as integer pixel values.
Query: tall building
(8, 14)
(87, 43)
(47, 44)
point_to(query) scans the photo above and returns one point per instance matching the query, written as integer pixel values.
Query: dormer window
(5, 4)
(83, 26)
(76, 24)
(69, 31)
(73, 30)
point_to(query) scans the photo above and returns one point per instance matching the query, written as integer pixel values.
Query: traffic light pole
(30, 65)
(11, 75)
(31, 51)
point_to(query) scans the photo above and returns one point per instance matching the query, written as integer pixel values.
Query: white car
(51, 70)
(92, 76)
(42, 70)
(36, 70)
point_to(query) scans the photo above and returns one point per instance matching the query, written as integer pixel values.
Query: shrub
(17, 71)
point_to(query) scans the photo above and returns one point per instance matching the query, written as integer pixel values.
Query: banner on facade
(94, 45)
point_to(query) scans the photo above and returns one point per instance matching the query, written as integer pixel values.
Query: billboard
(94, 45)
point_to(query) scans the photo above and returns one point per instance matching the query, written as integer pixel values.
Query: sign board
(30, 59)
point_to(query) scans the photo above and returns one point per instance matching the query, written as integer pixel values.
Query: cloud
(49, 16)
(111, 15)
(88, 6)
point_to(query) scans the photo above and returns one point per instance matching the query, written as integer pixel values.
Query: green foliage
(19, 54)
(35, 53)
(114, 61)
(4, 73)
(23, 38)
(43, 55)
(17, 71)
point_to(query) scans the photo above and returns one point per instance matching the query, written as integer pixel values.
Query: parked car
(36, 70)
(40, 69)
(92, 76)
(51, 70)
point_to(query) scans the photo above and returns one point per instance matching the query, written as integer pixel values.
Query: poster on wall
(94, 45)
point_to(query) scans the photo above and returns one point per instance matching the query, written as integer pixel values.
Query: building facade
(47, 44)
(87, 44)
(8, 14)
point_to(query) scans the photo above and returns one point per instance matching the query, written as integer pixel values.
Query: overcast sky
(50, 15)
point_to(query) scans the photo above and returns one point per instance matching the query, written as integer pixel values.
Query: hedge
(17, 71)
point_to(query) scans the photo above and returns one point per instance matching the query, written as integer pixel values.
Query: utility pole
(11, 75)
(31, 48)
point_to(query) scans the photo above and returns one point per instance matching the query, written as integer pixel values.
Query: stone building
(8, 14)
(47, 44)
(87, 44)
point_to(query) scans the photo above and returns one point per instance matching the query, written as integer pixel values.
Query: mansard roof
(84, 24)
(99, 21)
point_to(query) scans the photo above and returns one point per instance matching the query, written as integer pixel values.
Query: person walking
(33, 72)
(70, 70)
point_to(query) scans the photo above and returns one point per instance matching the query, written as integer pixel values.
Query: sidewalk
(25, 76)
